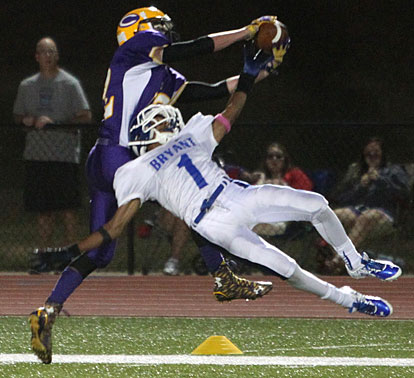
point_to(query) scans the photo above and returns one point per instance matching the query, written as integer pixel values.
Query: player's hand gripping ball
(272, 35)
(273, 38)
(254, 26)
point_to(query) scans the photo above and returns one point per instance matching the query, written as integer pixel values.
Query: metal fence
(324, 151)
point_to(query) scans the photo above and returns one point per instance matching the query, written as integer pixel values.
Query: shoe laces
(368, 265)
(225, 272)
(374, 265)
(366, 306)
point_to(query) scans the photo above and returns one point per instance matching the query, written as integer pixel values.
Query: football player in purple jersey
(139, 74)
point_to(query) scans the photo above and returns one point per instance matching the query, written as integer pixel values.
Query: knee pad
(84, 265)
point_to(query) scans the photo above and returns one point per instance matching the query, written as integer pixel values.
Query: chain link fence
(323, 151)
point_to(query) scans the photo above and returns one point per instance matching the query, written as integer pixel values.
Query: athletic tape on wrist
(224, 121)
(106, 237)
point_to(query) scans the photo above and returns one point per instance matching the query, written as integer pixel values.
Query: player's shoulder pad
(147, 39)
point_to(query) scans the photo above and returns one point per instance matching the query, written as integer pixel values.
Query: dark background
(347, 76)
(350, 61)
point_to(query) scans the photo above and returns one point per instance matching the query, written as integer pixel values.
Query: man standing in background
(51, 157)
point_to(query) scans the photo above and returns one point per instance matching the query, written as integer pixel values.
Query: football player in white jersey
(174, 167)
(176, 170)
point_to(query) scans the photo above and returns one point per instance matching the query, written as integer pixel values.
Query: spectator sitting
(51, 157)
(279, 170)
(369, 194)
(368, 198)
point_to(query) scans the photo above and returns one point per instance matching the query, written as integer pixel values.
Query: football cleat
(228, 286)
(41, 323)
(367, 304)
(382, 269)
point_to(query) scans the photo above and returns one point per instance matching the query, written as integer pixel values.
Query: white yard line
(345, 346)
(181, 359)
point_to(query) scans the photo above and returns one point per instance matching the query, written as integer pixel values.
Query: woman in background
(278, 169)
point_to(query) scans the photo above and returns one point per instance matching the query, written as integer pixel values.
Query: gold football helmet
(143, 19)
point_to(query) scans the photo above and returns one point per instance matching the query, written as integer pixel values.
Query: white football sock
(304, 280)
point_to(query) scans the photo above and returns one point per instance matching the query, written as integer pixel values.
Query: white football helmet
(145, 132)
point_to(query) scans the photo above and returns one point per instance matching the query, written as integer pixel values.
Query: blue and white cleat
(382, 269)
(367, 304)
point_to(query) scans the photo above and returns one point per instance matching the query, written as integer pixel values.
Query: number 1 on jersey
(196, 175)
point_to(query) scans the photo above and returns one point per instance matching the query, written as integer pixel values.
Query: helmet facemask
(162, 24)
(145, 131)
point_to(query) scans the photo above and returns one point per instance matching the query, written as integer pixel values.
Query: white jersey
(180, 175)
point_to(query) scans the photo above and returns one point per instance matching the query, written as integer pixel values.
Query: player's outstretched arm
(203, 45)
(254, 62)
(198, 91)
(113, 228)
(210, 43)
(224, 39)
(51, 259)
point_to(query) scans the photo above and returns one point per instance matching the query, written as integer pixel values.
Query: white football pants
(237, 210)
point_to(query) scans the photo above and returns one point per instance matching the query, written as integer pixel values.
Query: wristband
(224, 121)
(245, 83)
(106, 237)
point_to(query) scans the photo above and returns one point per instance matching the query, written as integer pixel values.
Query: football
(271, 35)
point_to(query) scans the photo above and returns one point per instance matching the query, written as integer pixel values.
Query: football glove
(255, 60)
(254, 26)
(52, 259)
(278, 54)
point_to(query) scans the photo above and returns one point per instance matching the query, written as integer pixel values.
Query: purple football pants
(102, 163)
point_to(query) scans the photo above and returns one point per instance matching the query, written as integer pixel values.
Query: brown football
(271, 35)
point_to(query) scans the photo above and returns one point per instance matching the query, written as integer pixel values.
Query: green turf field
(349, 340)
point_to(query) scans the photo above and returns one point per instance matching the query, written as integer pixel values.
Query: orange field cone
(217, 345)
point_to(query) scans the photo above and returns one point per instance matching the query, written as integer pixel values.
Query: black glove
(254, 62)
(52, 259)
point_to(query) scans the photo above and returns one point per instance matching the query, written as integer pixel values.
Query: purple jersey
(134, 81)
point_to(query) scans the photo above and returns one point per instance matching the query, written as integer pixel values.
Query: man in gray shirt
(52, 157)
